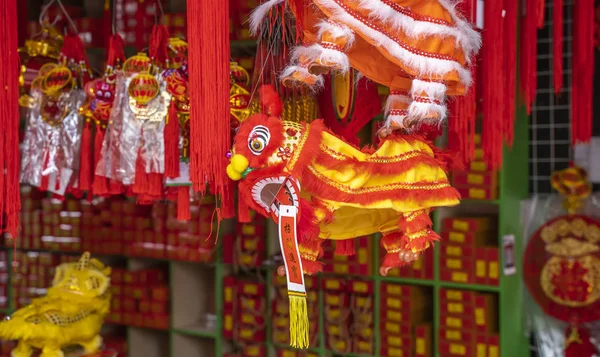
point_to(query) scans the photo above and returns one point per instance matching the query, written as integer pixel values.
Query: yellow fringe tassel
(299, 324)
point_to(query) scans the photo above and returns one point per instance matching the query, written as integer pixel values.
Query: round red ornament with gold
(562, 264)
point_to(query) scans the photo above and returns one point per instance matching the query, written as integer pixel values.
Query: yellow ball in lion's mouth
(239, 163)
(233, 174)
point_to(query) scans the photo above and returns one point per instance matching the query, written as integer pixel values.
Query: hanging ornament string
(494, 78)
(10, 204)
(209, 53)
(511, 17)
(557, 44)
(583, 71)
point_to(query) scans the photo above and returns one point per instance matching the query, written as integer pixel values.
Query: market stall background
(179, 294)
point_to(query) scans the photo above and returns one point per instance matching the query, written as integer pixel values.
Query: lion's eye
(259, 139)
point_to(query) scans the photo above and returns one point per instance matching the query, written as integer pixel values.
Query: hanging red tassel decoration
(85, 165)
(511, 17)
(528, 51)
(172, 143)
(208, 60)
(582, 86)
(577, 342)
(557, 44)
(494, 99)
(100, 185)
(461, 126)
(183, 203)
(10, 202)
(140, 180)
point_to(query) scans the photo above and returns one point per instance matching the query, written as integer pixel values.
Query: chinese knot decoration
(562, 264)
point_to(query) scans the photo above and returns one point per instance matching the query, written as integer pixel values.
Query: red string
(510, 70)
(212, 219)
(557, 47)
(583, 71)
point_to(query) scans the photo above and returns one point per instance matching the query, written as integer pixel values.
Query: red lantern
(143, 88)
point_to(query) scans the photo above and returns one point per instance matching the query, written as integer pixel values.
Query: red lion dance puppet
(346, 192)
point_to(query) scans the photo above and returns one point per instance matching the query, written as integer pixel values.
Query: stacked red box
(176, 23)
(134, 20)
(239, 25)
(348, 314)
(140, 298)
(363, 324)
(478, 183)
(281, 352)
(358, 264)
(119, 227)
(422, 268)
(244, 314)
(33, 273)
(280, 320)
(468, 323)
(31, 220)
(6, 346)
(189, 240)
(249, 246)
(405, 322)
(469, 251)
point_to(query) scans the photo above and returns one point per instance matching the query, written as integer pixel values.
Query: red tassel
(582, 87)
(510, 70)
(100, 185)
(528, 53)
(155, 185)
(494, 79)
(85, 165)
(345, 247)
(208, 58)
(183, 203)
(557, 47)
(10, 203)
(140, 181)
(461, 127)
(577, 343)
(172, 143)
(116, 187)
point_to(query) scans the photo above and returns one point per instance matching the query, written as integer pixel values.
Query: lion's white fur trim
(257, 16)
(393, 99)
(433, 90)
(425, 66)
(327, 55)
(422, 111)
(290, 70)
(467, 38)
(336, 31)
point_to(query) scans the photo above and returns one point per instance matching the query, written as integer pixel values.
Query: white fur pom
(259, 14)
(393, 99)
(394, 121)
(327, 55)
(290, 70)
(336, 30)
(304, 54)
(465, 36)
(421, 111)
(434, 90)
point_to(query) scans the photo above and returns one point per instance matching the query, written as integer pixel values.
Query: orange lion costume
(420, 49)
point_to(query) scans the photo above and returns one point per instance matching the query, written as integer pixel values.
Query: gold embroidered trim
(299, 148)
(384, 188)
(409, 217)
(376, 159)
(419, 234)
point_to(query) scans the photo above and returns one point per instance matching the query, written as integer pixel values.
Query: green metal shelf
(474, 287)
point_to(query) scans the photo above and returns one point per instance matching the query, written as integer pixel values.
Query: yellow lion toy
(70, 314)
